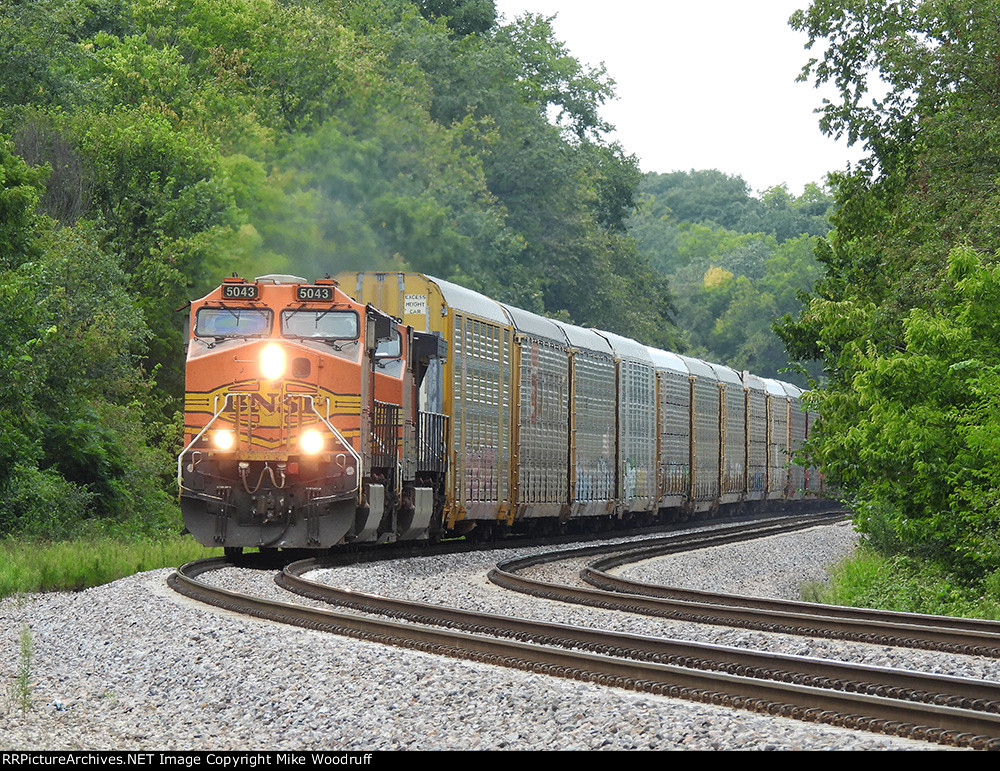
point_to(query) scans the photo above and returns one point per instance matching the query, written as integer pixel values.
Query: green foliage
(401, 190)
(916, 82)
(905, 435)
(41, 503)
(71, 440)
(693, 225)
(901, 320)
(38, 52)
(76, 446)
(74, 564)
(700, 197)
(871, 579)
(717, 202)
(463, 17)
(22, 677)
(19, 195)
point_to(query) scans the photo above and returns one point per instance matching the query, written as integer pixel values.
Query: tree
(463, 17)
(911, 440)
(19, 223)
(901, 318)
(20, 188)
(918, 86)
(767, 257)
(73, 444)
(709, 197)
(564, 193)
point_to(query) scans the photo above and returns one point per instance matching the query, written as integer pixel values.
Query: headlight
(272, 362)
(224, 440)
(311, 442)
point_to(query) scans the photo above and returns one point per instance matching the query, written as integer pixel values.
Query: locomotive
(299, 429)
(380, 407)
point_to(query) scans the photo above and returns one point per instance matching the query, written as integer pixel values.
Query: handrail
(180, 458)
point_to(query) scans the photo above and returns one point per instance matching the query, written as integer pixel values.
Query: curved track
(953, 711)
(975, 637)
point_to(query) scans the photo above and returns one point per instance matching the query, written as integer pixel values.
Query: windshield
(388, 349)
(320, 325)
(232, 322)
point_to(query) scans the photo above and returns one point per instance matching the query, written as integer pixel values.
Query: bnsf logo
(259, 403)
(261, 411)
(265, 411)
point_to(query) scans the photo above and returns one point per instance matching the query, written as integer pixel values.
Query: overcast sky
(708, 84)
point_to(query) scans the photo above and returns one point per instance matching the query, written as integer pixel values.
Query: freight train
(381, 407)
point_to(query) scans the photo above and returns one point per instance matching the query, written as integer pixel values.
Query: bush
(869, 579)
(42, 504)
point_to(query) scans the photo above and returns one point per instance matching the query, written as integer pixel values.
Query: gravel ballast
(134, 666)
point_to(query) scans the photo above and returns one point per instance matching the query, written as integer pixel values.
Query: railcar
(778, 411)
(593, 415)
(757, 439)
(389, 406)
(540, 417)
(705, 436)
(732, 435)
(637, 427)
(673, 386)
(797, 421)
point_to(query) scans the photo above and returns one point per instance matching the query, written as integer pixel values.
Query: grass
(21, 690)
(33, 566)
(872, 580)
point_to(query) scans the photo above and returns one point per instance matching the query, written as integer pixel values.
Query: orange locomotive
(301, 420)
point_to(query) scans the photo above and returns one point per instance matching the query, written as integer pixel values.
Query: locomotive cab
(294, 422)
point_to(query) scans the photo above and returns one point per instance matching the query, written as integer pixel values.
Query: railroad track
(952, 711)
(974, 637)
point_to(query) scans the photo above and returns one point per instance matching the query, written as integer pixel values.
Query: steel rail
(979, 695)
(939, 723)
(596, 574)
(962, 636)
(729, 533)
